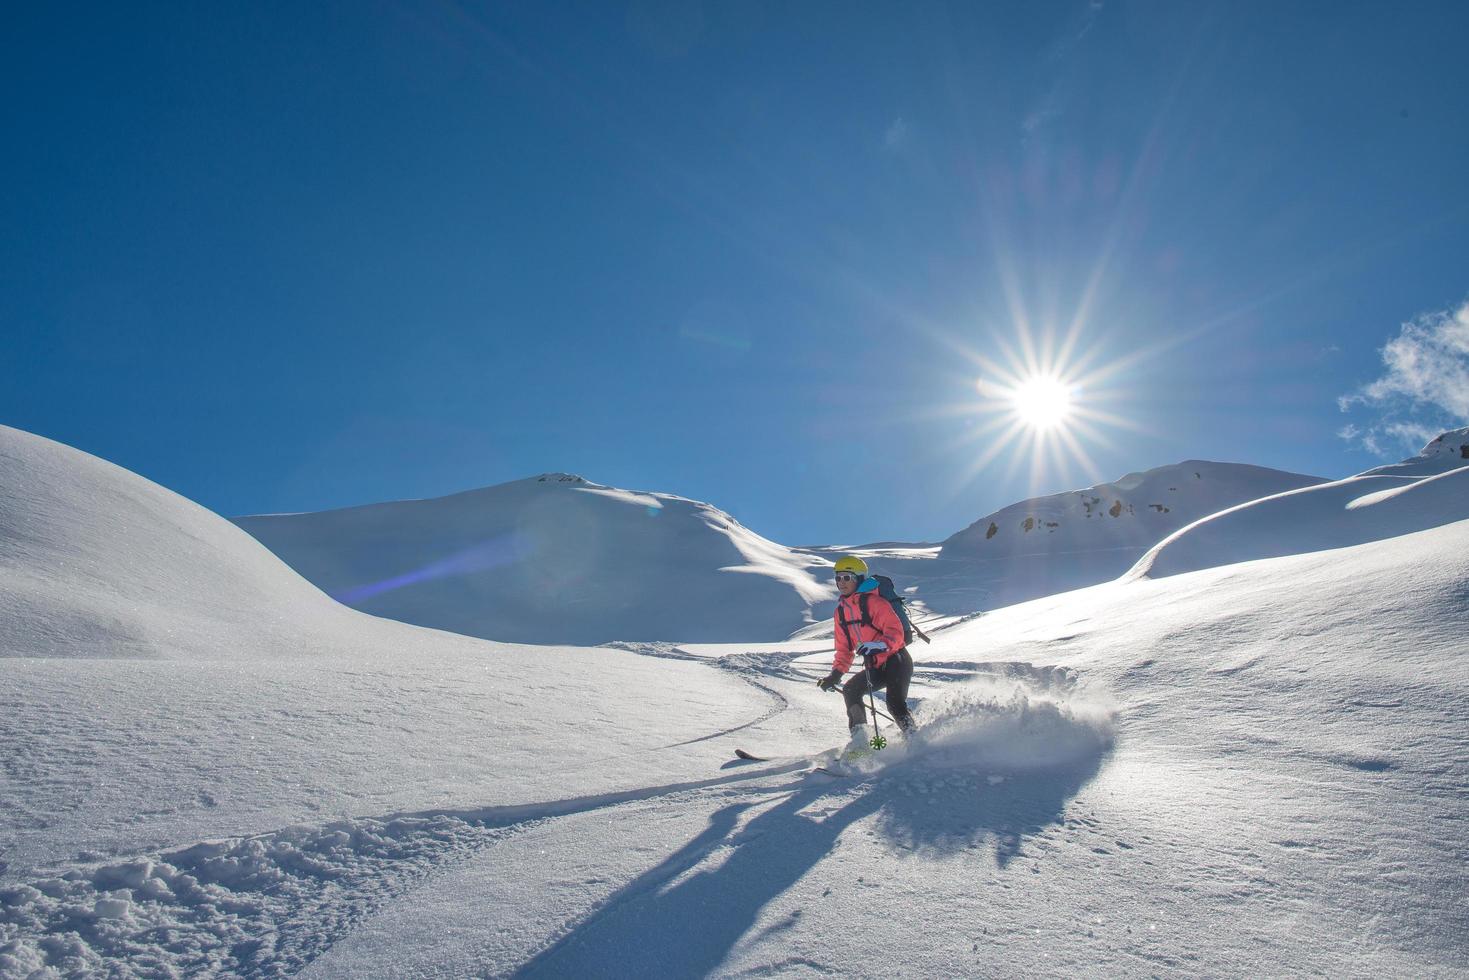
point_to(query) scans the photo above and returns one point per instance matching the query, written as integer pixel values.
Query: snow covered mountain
(208, 768)
(1070, 540)
(1134, 512)
(553, 559)
(558, 559)
(1424, 492)
(1447, 451)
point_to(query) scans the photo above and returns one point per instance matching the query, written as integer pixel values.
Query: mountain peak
(1454, 443)
(1132, 512)
(1448, 450)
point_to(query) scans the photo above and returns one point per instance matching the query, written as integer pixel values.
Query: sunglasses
(846, 577)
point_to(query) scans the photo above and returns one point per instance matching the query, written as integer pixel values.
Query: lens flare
(505, 550)
(1045, 400)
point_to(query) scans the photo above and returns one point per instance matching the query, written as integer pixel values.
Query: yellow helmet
(851, 563)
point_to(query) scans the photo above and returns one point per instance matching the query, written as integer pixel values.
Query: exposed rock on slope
(1133, 512)
(1427, 491)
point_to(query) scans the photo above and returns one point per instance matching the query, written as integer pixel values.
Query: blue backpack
(888, 591)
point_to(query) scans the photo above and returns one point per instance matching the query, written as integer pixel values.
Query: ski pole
(877, 741)
(876, 710)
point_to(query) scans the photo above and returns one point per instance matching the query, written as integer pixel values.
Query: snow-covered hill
(557, 559)
(1254, 770)
(1065, 541)
(1251, 769)
(164, 679)
(1448, 451)
(1134, 512)
(554, 559)
(98, 562)
(1427, 491)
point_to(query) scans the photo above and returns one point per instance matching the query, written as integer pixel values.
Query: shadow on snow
(674, 920)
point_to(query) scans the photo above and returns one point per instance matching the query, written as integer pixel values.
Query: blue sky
(291, 256)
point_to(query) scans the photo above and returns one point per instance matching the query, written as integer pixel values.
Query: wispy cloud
(1051, 102)
(896, 136)
(1424, 387)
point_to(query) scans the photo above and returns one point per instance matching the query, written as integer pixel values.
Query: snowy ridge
(96, 561)
(1447, 451)
(1134, 512)
(553, 559)
(1370, 507)
(1048, 545)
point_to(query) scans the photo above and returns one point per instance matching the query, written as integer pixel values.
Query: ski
(829, 763)
(817, 761)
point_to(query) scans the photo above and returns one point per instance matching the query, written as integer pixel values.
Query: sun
(1044, 403)
(1041, 402)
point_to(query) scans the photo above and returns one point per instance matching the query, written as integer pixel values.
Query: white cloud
(1424, 387)
(1428, 364)
(1412, 433)
(896, 136)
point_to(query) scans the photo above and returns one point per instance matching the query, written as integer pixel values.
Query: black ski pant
(894, 674)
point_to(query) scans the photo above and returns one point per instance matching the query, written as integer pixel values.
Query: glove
(830, 680)
(866, 650)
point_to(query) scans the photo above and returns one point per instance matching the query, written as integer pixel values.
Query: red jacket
(850, 633)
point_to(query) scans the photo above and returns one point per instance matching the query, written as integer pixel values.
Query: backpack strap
(900, 608)
(845, 623)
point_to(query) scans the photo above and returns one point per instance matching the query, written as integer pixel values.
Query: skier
(877, 637)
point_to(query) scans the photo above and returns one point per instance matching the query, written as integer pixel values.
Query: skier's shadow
(675, 921)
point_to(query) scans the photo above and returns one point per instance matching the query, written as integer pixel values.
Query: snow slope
(95, 561)
(557, 559)
(166, 681)
(1134, 512)
(1414, 495)
(1253, 769)
(553, 559)
(1449, 450)
(1065, 541)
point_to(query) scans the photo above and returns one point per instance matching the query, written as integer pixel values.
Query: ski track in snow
(268, 905)
(742, 667)
(264, 905)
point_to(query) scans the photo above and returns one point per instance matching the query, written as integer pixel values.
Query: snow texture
(207, 768)
(1358, 509)
(558, 559)
(554, 559)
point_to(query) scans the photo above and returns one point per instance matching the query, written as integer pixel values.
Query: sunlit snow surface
(1251, 769)
(556, 559)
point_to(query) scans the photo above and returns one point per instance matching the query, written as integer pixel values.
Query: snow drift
(96, 561)
(1428, 492)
